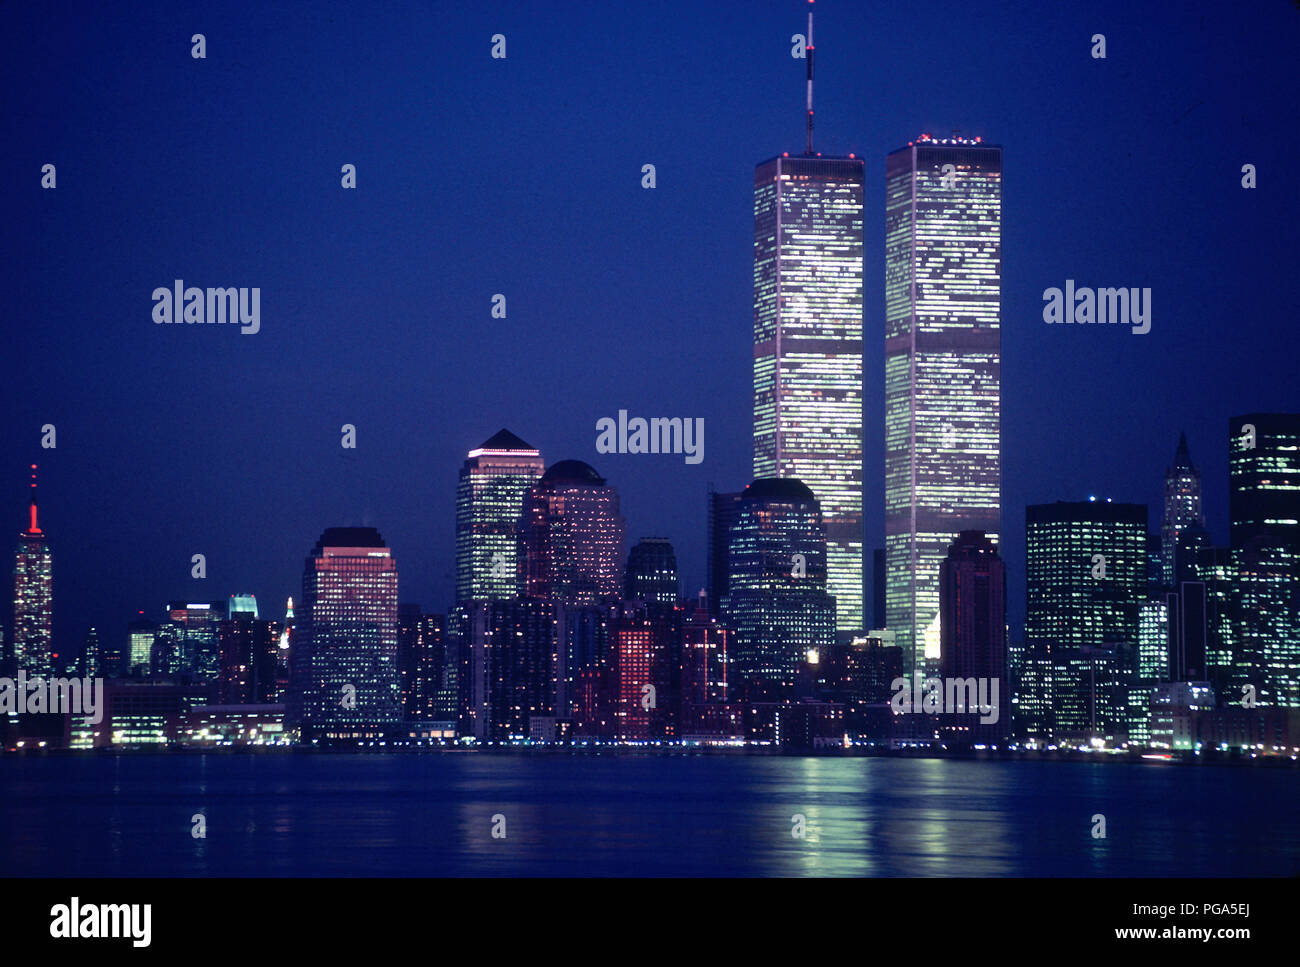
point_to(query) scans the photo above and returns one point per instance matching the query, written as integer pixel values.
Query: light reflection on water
(616, 814)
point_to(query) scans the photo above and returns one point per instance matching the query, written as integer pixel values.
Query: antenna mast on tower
(808, 55)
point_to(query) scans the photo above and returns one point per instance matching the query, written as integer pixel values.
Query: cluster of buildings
(1135, 637)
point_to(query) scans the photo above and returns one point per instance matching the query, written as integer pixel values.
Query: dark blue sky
(522, 176)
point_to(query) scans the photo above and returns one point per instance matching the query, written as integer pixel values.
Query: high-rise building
(240, 604)
(1085, 574)
(722, 512)
(91, 664)
(943, 309)
(1182, 509)
(140, 636)
(652, 572)
(1264, 507)
(1264, 477)
(344, 681)
(1267, 632)
(248, 658)
(705, 658)
(777, 606)
(643, 697)
(31, 639)
(973, 608)
(197, 621)
(1153, 640)
(489, 502)
(571, 536)
(808, 237)
(421, 662)
(511, 671)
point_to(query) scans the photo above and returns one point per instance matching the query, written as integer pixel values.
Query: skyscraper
(32, 632)
(196, 624)
(1085, 574)
(489, 503)
(1182, 508)
(571, 536)
(973, 608)
(943, 309)
(248, 649)
(1264, 477)
(345, 681)
(1264, 507)
(777, 606)
(808, 343)
(652, 572)
(510, 666)
(722, 512)
(421, 661)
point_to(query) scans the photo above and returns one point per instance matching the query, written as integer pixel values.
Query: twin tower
(942, 378)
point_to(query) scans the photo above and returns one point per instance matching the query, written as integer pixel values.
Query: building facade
(943, 311)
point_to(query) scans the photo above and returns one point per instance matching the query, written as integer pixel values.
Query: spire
(1182, 459)
(33, 529)
(808, 56)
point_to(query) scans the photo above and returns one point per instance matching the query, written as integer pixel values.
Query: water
(614, 814)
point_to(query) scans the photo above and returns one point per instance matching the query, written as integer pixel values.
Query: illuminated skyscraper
(31, 635)
(808, 343)
(1182, 509)
(1264, 477)
(1085, 574)
(1264, 506)
(345, 681)
(198, 651)
(776, 605)
(571, 535)
(489, 503)
(943, 310)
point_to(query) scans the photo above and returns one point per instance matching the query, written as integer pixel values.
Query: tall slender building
(32, 635)
(345, 681)
(808, 344)
(943, 311)
(1264, 507)
(489, 502)
(1182, 509)
(973, 603)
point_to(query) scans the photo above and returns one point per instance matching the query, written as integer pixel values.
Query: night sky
(523, 177)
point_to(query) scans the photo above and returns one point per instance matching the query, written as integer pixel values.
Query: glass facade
(808, 349)
(1069, 601)
(344, 677)
(943, 309)
(489, 503)
(572, 536)
(777, 606)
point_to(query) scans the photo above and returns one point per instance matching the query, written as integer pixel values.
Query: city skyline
(377, 308)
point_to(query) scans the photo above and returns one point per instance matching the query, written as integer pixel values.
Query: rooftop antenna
(33, 529)
(809, 57)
